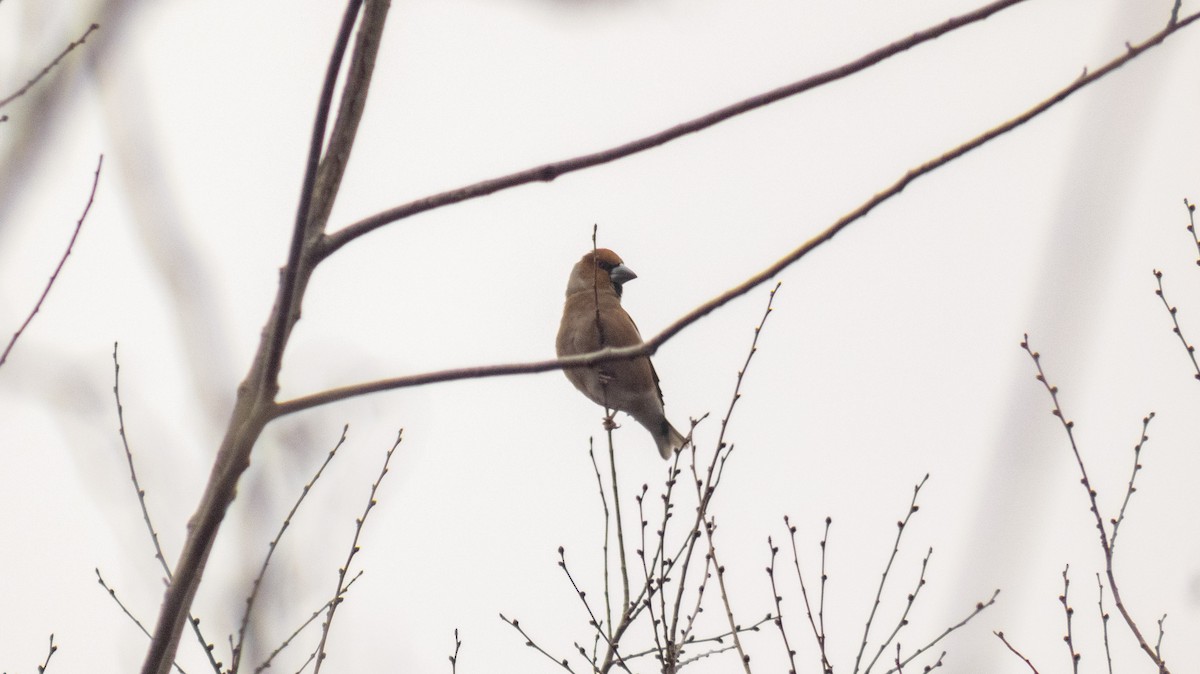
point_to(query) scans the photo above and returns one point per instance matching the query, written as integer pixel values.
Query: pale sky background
(893, 350)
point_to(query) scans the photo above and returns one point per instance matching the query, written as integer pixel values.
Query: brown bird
(631, 386)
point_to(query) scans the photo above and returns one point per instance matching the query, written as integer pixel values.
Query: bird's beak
(620, 274)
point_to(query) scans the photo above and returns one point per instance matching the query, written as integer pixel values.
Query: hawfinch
(631, 386)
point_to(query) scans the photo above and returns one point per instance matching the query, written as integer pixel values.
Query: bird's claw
(609, 424)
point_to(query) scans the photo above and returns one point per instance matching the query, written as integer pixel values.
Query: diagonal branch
(548, 172)
(54, 276)
(255, 403)
(652, 345)
(46, 71)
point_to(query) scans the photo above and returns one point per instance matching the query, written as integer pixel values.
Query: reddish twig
(53, 277)
(1016, 652)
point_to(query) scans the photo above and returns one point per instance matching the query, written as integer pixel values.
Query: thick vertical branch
(255, 405)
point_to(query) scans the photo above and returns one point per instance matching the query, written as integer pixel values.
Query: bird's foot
(608, 422)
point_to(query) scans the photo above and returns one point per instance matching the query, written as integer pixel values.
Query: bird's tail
(669, 441)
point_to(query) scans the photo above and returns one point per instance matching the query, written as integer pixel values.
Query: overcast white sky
(893, 351)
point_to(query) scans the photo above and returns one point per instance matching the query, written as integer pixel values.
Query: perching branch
(652, 345)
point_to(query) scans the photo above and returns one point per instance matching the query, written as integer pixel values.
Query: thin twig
(62, 261)
(594, 622)
(821, 598)
(141, 495)
(787, 646)
(1104, 624)
(265, 664)
(49, 654)
(650, 346)
(979, 608)
(46, 71)
(454, 658)
(1105, 544)
(1191, 228)
(607, 522)
(1070, 613)
(734, 628)
(1137, 466)
(354, 548)
(274, 545)
(113, 594)
(912, 598)
(900, 526)
(818, 632)
(1191, 350)
(1016, 652)
(1158, 643)
(532, 644)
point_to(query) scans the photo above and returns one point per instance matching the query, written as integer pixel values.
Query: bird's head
(599, 268)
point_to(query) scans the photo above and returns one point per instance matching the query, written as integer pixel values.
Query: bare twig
(707, 488)
(532, 644)
(1191, 228)
(1191, 350)
(141, 493)
(912, 598)
(734, 629)
(1137, 466)
(791, 652)
(1158, 642)
(613, 646)
(651, 345)
(454, 658)
(821, 597)
(141, 496)
(607, 525)
(818, 631)
(1105, 543)
(1016, 652)
(900, 526)
(49, 654)
(311, 618)
(113, 594)
(354, 548)
(54, 276)
(46, 71)
(980, 607)
(1104, 624)
(271, 547)
(1070, 613)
